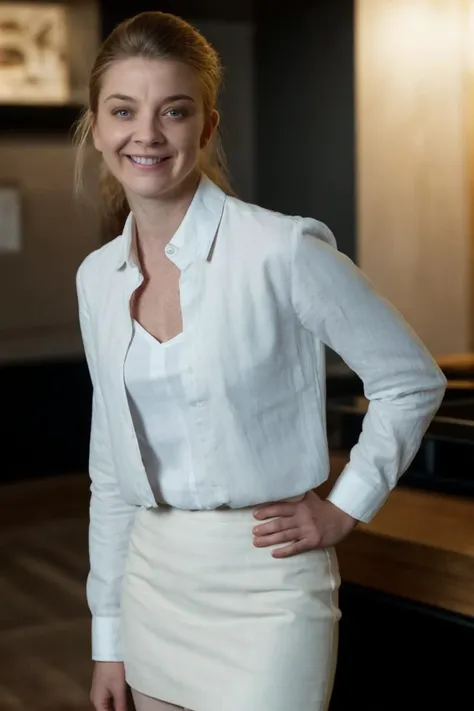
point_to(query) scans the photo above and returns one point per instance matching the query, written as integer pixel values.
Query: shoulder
(272, 229)
(302, 248)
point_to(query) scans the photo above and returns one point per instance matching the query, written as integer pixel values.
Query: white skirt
(211, 623)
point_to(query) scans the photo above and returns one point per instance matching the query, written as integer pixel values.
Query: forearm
(110, 527)
(391, 436)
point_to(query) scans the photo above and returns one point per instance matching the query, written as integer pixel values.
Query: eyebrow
(174, 97)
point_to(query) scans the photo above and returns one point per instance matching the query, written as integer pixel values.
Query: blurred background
(359, 113)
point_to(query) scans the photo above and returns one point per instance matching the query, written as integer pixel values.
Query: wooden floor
(44, 621)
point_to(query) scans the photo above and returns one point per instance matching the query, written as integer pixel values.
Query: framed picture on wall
(46, 50)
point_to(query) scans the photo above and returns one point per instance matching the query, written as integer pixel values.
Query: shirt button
(169, 249)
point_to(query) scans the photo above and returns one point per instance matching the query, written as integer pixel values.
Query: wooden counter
(457, 361)
(419, 546)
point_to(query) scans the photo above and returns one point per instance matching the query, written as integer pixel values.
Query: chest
(240, 334)
(155, 304)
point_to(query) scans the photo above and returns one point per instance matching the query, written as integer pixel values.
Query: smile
(142, 160)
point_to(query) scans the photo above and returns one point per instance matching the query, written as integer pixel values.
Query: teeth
(146, 161)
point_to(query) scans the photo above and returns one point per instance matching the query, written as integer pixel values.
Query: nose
(148, 131)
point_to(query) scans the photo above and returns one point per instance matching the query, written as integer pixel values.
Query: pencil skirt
(212, 623)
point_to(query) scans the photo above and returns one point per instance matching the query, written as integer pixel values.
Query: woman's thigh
(146, 703)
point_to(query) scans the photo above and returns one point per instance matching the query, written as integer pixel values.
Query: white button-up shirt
(261, 294)
(161, 416)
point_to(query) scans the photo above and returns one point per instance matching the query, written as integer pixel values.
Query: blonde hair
(152, 35)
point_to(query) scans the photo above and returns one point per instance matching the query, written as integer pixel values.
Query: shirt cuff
(106, 639)
(356, 496)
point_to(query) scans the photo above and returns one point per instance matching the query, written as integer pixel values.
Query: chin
(154, 188)
(157, 188)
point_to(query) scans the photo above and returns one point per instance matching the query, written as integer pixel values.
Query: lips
(147, 160)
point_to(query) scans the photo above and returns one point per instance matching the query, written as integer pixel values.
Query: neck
(156, 220)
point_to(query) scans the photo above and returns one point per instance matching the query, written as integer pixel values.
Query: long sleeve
(337, 303)
(111, 518)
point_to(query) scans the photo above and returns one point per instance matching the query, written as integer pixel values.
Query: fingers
(120, 700)
(292, 523)
(293, 549)
(112, 697)
(274, 510)
(278, 524)
(291, 534)
(279, 530)
(101, 700)
(105, 703)
(109, 689)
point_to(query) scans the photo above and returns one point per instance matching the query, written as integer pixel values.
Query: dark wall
(46, 419)
(114, 12)
(305, 122)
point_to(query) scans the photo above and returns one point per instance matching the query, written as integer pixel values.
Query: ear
(210, 128)
(95, 136)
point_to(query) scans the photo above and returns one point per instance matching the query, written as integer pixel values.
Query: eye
(176, 113)
(122, 113)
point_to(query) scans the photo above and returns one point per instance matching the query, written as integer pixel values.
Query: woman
(213, 580)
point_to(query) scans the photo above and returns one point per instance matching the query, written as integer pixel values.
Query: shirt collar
(194, 237)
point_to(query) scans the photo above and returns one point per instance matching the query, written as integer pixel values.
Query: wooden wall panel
(414, 189)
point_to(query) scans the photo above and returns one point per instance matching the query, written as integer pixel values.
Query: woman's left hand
(304, 525)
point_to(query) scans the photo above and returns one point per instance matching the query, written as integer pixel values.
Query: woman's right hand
(109, 689)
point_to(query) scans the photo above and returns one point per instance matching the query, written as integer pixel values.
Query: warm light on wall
(470, 37)
(414, 117)
(416, 31)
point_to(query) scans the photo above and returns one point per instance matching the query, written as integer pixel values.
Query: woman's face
(150, 125)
